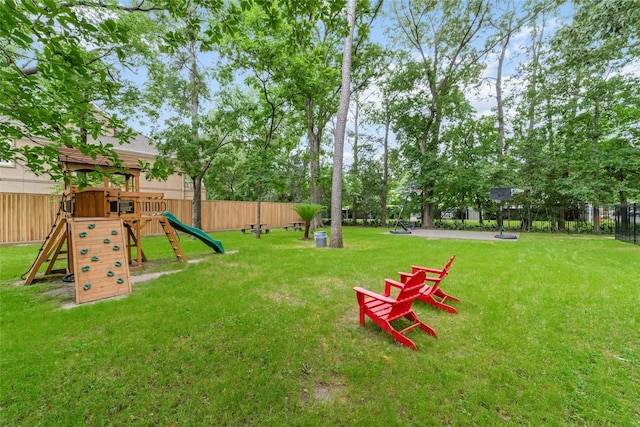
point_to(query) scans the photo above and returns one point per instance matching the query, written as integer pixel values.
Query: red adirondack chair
(383, 309)
(432, 293)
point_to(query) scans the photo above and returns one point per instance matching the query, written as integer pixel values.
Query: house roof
(138, 144)
(75, 160)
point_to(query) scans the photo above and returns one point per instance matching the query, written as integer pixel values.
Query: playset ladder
(56, 254)
(173, 239)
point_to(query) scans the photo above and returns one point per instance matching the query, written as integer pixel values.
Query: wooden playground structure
(99, 229)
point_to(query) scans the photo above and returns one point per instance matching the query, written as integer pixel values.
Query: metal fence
(628, 223)
(574, 220)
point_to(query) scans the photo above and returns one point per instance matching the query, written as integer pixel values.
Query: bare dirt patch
(67, 294)
(279, 297)
(321, 393)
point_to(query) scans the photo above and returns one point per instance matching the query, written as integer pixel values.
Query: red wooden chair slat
(383, 309)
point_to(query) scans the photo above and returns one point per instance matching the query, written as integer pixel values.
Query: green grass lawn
(548, 333)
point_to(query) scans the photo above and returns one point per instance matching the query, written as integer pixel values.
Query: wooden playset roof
(74, 160)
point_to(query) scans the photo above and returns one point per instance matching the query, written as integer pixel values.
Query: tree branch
(135, 8)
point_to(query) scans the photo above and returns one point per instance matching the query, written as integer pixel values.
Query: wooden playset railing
(113, 202)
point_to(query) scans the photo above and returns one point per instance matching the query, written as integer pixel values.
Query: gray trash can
(321, 239)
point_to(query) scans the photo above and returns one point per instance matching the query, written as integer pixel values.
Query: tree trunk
(596, 219)
(536, 47)
(385, 171)
(427, 210)
(194, 109)
(258, 205)
(354, 199)
(338, 151)
(561, 218)
(479, 206)
(596, 141)
(196, 207)
(314, 161)
(499, 102)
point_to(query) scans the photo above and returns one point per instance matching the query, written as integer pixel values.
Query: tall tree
(295, 42)
(315, 36)
(576, 85)
(178, 84)
(363, 184)
(259, 53)
(444, 35)
(341, 126)
(381, 113)
(310, 34)
(370, 63)
(267, 133)
(193, 157)
(470, 164)
(601, 41)
(508, 18)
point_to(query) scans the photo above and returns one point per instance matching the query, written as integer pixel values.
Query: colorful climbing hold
(85, 268)
(118, 264)
(94, 258)
(83, 234)
(92, 226)
(107, 241)
(110, 273)
(120, 280)
(87, 286)
(84, 251)
(116, 248)
(114, 232)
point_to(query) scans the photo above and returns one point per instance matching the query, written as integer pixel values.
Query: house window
(188, 183)
(6, 146)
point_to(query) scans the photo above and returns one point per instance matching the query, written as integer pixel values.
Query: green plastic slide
(204, 237)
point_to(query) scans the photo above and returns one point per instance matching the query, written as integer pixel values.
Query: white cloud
(632, 68)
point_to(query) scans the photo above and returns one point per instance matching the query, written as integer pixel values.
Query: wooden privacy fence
(29, 217)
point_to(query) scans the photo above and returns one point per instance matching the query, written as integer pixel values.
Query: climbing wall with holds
(100, 264)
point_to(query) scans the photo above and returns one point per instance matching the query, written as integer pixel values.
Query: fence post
(636, 213)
